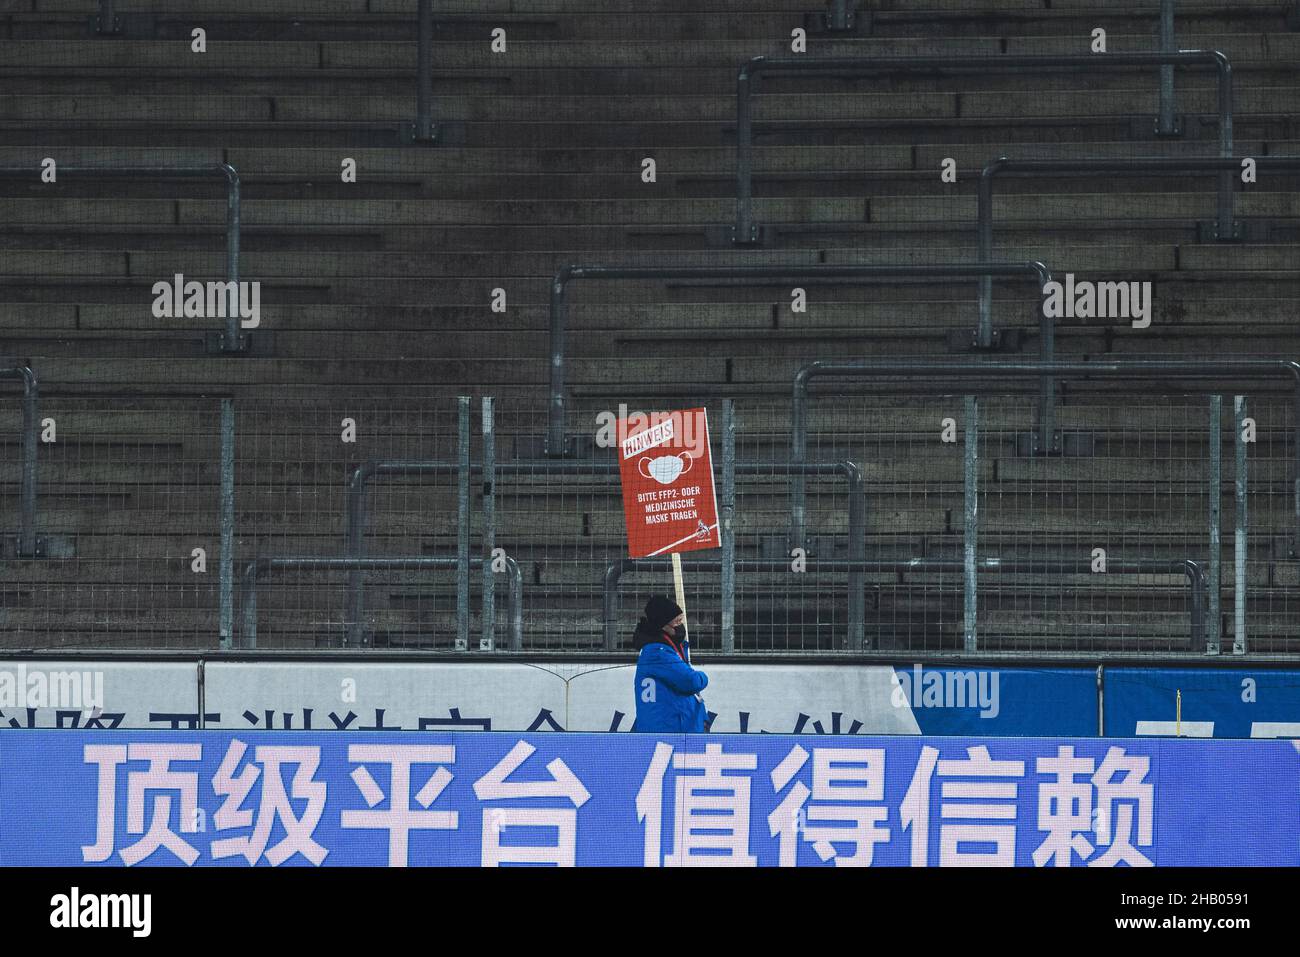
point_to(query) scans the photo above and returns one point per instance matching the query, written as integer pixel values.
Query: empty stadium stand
(431, 277)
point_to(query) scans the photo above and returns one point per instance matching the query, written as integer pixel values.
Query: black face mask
(679, 633)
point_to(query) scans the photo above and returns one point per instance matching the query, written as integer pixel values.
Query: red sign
(667, 472)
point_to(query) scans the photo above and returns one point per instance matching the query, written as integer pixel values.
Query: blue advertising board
(1203, 702)
(1004, 701)
(260, 798)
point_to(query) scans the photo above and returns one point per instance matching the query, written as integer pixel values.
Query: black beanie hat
(660, 610)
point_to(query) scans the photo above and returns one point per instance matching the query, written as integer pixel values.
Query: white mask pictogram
(666, 468)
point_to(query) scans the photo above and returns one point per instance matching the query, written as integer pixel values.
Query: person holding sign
(667, 687)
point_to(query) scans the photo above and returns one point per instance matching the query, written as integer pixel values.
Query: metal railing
(916, 485)
(129, 524)
(1225, 226)
(844, 15)
(27, 545)
(940, 377)
(556, 443)
(747, 232)
(729, 567)
(230, 338)
(255, 570)
(354, 520)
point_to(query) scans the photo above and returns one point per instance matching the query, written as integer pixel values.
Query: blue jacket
(667, 690)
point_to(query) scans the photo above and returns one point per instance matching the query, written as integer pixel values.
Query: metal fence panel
(128, 512)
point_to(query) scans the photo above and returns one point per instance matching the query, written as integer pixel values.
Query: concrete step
(1180, 308)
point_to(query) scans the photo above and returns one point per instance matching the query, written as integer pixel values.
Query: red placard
(666, 466)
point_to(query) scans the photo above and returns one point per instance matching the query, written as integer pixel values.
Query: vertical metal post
(1239, 531)
(744, 230)
(798, 455)
(857, 553)
(248, 605)
(27, 541)
(1166, 122)
(232, 338)
(107, 22)
(728, 526)
(227, 597)
(840, 14)
(488, 641)
(203, 691)
(1101, 701)
(424, 76)
(462, 528)
(355, 547)
(559, 325)
(1226, 215)
(516, 605)
(611, 603)
(1227, 192)
(970, 500)
(1214, 633)
(1046, 383)
(984, 252)
(1295, 452)
(1196, 585)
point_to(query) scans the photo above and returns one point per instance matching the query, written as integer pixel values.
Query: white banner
(487, 696)
(98, 694)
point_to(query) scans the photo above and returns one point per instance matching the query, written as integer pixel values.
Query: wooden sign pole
(681, 590)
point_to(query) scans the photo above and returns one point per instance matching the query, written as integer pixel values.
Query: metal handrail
(27, 544)
(746, 231)
(231, 339)
(262, 566)
(1225, 226)
(354, 517)
(764, 275)
(946, 372)
(1192, 569)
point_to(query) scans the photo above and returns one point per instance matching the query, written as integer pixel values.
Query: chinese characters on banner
(666, 468)
(488, 799)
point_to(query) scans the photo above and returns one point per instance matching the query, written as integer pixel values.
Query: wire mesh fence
(297, 458)
(438, 524)
(1270, 561)
(1126, 503)
(127, 525)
